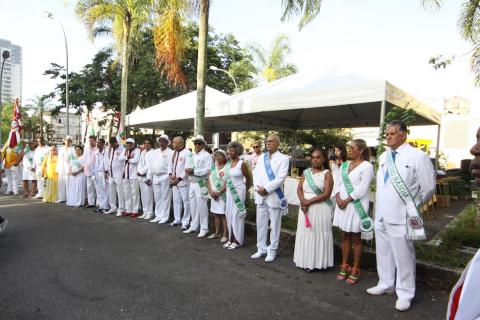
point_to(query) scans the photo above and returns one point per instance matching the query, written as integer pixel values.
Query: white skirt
(347, 220)
(77, 190)
(217, 206)
(314, 245)
(28, 174)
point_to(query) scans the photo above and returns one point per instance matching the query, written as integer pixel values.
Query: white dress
(77, 185)
(314, 245)
(218, 206)
(28, 163)
(235, 221)
(361, 177)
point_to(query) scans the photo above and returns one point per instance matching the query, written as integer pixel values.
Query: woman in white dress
(314, 237)
(359, 174)
(216, 188)
(77, 184)
(29, 167)
(238, 181)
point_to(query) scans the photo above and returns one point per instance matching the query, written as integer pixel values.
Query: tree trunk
(125, 64)
(41, 121)
(199, 126)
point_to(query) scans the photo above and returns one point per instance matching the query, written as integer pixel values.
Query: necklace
(353, 165)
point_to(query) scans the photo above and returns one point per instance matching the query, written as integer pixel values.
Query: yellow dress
(49, 172)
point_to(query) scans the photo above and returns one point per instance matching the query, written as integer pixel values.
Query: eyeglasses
(198, 143)
(255, 147)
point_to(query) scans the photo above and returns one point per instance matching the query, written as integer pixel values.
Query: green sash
(309, 177)
(216, 180)
(201, 182)
(415, 229)
(366, 225)
(236, 198)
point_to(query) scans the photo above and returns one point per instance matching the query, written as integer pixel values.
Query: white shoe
(202, 234)
(155, 220)
(378, 291)
(163, 221)
(148, 217)
(38, 196)
(59, 201)
(142, 216)
(270, 257)
(110, 211)
(257, 255)
(3, 225)
(402, 305)
(189, 230)
(119, 214)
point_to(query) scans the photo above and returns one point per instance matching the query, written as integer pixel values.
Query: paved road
(64, 263)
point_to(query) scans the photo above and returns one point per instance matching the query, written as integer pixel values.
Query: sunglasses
(198, 143)
(255, 147)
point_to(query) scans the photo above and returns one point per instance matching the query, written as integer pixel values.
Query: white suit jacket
(203, 163)
(417, 172)
(177, 166)
(146, 160)
(158, 169)
(114, 163)
(279, 163)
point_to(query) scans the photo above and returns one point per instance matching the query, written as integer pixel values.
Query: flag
(121, 134)
(16, 126)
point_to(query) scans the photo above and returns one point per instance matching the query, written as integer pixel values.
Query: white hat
(220, 151)
(130, 140)
(200, 138)
(163, 137)
(67, 138)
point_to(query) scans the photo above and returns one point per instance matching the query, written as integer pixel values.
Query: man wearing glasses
(40, 153)
(257, 152)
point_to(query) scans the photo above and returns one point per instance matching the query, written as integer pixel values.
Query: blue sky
(390, 40)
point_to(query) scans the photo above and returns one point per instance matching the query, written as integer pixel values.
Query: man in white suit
(396, 217)
(113, 167)
(147, 158)
(179, 183)
(89, 170)
(268, 178)
(65, 155)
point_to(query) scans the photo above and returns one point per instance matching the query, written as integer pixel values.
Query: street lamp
(5, 56)
(229, 74)
(50, 15)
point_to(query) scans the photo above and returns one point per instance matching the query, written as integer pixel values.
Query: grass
(465, 232)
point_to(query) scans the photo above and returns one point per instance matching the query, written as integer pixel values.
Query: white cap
(200, 138)
(67, 138)
(130, 140)
(163, 137)
(220, 151)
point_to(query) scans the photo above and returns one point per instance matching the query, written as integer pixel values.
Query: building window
(59, 120)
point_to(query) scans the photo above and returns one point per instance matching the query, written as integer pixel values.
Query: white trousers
(115, 190)
(163, 200)
(180, 200)
(90, 191)
(265, 214)
(40, 184)
(101, 190)
(198, 208)
(12, 174)
(131, 194)
(395, 259)
(62, 187)
(146, 193)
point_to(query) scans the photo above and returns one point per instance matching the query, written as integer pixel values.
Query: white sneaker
(148, 217)
(38, 196)
(270, 257)
(142, 216)
(202, 234)
(257, 255)
(3, 225)
(378, 291)
(189, 230)
(155, 220)
(110, 211)
(402, 305)
(119, 214)
(163, 221)
(58, 201)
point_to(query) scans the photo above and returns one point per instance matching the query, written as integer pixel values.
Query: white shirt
(100, 160)
(65, 154)
(279, 163)
(177, 166)
(40, 154)
(131, 157)
(203, 164)
(115, 162)
(417, 172)
(158, 169)
(89, 161)
(28, 160)
(146, 160)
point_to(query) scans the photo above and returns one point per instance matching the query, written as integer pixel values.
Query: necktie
(394, 155)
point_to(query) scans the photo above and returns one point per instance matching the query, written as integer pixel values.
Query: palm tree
(122, 19)
(272, 64)
(38, 105)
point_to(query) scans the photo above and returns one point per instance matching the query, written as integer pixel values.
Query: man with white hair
(89, 169)
(268, 177)
(130, 179)
(147, 157)
(65, 155)
(179, 183)
(198, 168)
(113, 169)
(40, 153)
(157, 176)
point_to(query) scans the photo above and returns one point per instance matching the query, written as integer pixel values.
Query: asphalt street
(65, 263)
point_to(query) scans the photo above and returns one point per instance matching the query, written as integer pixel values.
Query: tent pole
(382, 113)
(294, 149)
(437, 151)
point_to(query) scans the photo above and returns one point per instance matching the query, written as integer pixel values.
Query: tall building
(12, 71)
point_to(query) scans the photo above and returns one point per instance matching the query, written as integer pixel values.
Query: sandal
(223, 239)
(227, 244)
(343, 274)
(354, 276)
(233, 246)
(213, 236)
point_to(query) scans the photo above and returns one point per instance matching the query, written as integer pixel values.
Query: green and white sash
(201, 182)
(415, 229)
(242, 210)
(366, 226)
(216, 180)
(28, 154)
(309, 177)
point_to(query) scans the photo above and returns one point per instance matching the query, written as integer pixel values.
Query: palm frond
(279, 51)
(432, 5)
(475, 66)
(307, 10)
(469, 21)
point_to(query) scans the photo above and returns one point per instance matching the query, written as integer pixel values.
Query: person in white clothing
(11, 160)
(268, 178)
(130, 179)
(147, 157)
(351, 210)
(198, 167)
(77, 183)
(41, 152)
(89, 169)
(180, 184)
(397, 220)
(101, 185)
(65, 154)
(158, 178)
(114, 164)
(217, 189)
(256, 154)
(29, 167)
